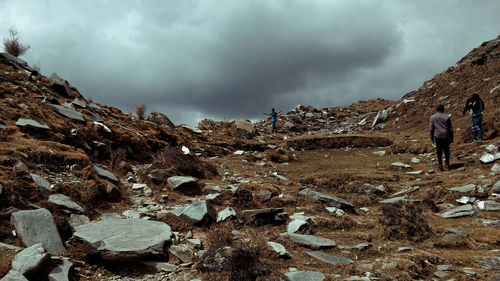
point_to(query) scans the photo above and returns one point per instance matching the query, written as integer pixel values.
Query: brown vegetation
(12, 45)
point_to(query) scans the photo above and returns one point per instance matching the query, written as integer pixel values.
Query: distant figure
(441, 133)
(273, 115)
(475, 106)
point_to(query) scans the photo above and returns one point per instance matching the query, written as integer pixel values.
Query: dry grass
(140, 110)
(403, 221)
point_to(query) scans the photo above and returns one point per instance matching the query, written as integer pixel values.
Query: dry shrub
(220, 234)
(280, 156)
(176, 223)
(179, 163)
(12, 45)
(140, 110)
(343, 223)
(404, 221)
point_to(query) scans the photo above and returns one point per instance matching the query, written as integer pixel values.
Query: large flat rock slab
(30, 259)
(199, 212)
(124, 239)
(13, 275)
(68, 112)
(105, 174)
(22, 122)
(462, 211)
(38, 226)
(310, 241)
(305, 276)
(331, 259)
(331, 201)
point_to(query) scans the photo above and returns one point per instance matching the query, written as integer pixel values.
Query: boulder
(105, 174)
(382, 116)
(182, 252)
(124, 239)
(331, 201)
(38, 226)
(160, 119)
(30, 260)
(13, 275)
(68, 112)
(22, 122)
(305, 276)
(186, 185)
(331, 259)
(309, 241)
(60, 85)
(61, 272)
(247, 127)
(66, 202)
(199, 212)
(464, 189)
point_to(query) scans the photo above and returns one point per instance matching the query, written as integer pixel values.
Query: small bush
(140, 110)
(12, 45)
(404, 221)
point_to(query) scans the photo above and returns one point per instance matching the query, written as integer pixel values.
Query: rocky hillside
(341, 193)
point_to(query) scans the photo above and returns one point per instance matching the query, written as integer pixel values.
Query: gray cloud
(235, 59)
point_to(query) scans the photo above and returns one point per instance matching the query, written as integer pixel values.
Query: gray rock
(60, 85)
(488, 222)
(79, 103)
(226, 214)
(382, 116)
(305, 276)
(65, 201)
(331, 201)
(10, 247)
(76, 220)
(245, 126)
(124, 239)
(110, 216)
(309, 241)
(465, 210)
(30, 260)
(336, 212)
(194, 243)
(105, 174)
(466, 200)
(444, 267)
(21, 122)
(61, 272)
(390, 265)
(68, 112)
(279, 249)
(487, 158)
(369, 189)
(21, 166)
(182, 252)
(415, 160)
(331, 259)
(496, 187)
(393, 200)
(161, 266)
(401, 165)
(492, 149)
(490, 205)
(464, 189)
(404, 249)
(490, 263)
(34, 226)
(469, 273)
(454, 233)
(441, 274)
(198, 212)
(362, 246)
(419, 172)
(13, 275)
(32, 87)
(41, 182)
(496, 168)
(364, 267)
(186, 185)
(131, 214)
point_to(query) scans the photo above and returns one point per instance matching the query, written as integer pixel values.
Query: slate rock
(160, 119)
(364, 267)
(105, 174)
(15, 61)
(454, 233)
(336, 212)
(247, 127)
(299, 226)
(186, 185)
(61, 272)
(465, 210)
(32, 87)
(68, 112)
(305, 276)
(310, 241)
(496, 168)
(393, 200)
(182, 252)
(76, 220)
(124, 239)
(13, 275)
(496, 187)
(362, 246)
(34, 226)
(30, 260)
(331, 259)
(331, 201)
(487, 158)
(279, 249)
(199, 212)
(22, 122)
(488, 222)
(60, 85)
(464, 189)
(490, 263)
(161, 266)
(492, 149)
(226, 214)
(64, 201)
(369, 189)
(401, 165)
(489, 205)
(79, 103)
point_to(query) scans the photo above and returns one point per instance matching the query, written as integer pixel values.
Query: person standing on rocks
(441, 133)
(475, 106)
(273, 115)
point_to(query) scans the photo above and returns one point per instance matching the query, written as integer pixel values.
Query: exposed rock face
(124, 239)
(186, 185)
(37, 226)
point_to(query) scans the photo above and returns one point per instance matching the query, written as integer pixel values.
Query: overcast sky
(228, 59)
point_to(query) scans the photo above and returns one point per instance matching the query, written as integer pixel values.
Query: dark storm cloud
(235, 59)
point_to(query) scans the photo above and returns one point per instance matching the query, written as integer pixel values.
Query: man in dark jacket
(475, 107)
(441, 133)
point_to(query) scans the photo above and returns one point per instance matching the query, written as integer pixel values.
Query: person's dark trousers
(477, 132)
(443, 145)
(274, 127)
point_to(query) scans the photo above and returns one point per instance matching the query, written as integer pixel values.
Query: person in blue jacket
(273, 115)
(475, 107)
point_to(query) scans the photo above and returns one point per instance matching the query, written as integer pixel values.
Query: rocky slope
(90, 193)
